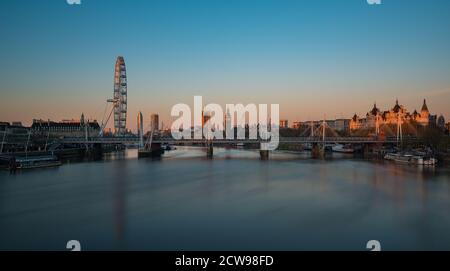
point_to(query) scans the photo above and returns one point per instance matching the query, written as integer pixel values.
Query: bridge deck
(286, 140)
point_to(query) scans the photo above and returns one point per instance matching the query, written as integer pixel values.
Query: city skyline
(155, 124)
(260, 128)
(310, 58)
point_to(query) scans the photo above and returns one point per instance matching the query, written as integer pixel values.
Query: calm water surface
(234, 202)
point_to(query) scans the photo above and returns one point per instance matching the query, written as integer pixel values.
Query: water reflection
(120, 186)
(232, 202)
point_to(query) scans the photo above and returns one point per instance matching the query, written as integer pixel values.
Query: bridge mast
(399, 130)
(323, 130)
(148, 144)
(86, 135)
(377, 125)
(48, 135)
(26, 146)
(105, 123)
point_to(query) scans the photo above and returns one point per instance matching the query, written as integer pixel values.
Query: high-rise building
(140, 128)
(154, 122)
(284, 124)
(120, 97)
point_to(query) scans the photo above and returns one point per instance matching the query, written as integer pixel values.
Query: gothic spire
(424, 107)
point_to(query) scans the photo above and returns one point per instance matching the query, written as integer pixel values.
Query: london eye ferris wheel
(120, 97)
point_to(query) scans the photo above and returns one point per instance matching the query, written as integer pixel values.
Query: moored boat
(343, 148)
(411, 159)
(417, 160)
(34, 162)
(430, 162)
(167, 147)
(405, 158)
(390, 156)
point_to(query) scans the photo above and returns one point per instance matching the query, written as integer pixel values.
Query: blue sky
(313, 57)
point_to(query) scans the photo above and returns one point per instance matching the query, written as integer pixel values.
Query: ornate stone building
(66, 128)
(397, 114)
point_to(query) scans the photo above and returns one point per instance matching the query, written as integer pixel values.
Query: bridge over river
(284, 140)
(317, 143)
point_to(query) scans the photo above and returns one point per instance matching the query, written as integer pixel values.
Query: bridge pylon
(209, 149)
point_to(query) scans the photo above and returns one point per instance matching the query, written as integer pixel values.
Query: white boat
(343, 148)
(411, 159)
(390, 156)
(404, 159)
(417, 160)
(430, 162)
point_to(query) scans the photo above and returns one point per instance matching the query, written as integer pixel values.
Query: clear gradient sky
(313, 57)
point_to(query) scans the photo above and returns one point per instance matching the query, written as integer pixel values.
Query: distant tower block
(154, 122)
(120, 97)
(140, 127)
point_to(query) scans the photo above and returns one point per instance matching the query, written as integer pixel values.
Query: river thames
(232, 202)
